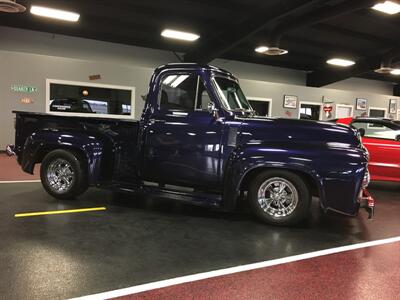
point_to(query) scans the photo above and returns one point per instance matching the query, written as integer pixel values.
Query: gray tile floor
(143, 240)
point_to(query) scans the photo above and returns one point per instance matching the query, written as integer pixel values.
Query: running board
(168, 191)
(199, 198)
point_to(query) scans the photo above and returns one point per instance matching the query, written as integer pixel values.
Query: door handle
(153, 121)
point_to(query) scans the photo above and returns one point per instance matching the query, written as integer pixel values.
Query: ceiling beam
(323, 14)
(331, 29)
(249, 58)
(216, 47)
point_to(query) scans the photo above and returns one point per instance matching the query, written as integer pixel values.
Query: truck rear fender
(39, 144)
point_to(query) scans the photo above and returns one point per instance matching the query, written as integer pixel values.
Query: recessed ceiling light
(180, 35)
(395, 72)
(54, 13)
(388, 7)
(261, 49)
(271, 51)
(340, 62)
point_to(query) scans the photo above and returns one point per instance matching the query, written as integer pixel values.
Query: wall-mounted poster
(361, 104)
(392, 106)
(290, 101)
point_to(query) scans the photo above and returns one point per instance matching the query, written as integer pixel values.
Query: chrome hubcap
(60, 175)
(278, 197)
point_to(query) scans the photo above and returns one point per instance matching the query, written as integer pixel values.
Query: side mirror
(361, 131)
(397, 138)
(212, 109)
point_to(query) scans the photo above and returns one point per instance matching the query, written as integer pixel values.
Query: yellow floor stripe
(57, 212)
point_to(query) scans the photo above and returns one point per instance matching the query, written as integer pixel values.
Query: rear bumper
(10, 150)
(367, 202)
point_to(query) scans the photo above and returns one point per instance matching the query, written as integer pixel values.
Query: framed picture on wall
(290, 101)
(392, 106)
(361, 104)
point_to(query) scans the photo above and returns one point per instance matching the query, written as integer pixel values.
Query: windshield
(231, 94)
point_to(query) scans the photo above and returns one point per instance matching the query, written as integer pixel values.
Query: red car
(382, 139)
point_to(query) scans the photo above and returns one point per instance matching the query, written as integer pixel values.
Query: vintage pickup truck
(199, 140)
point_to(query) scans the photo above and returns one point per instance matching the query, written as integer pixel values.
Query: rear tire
(279, 197)
(63, 174)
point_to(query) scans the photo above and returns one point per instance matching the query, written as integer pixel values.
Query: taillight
(366, 179)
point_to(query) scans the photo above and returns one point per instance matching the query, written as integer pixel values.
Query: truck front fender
(42, 142)
(329, 169)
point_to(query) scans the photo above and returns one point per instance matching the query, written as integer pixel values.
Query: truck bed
(118, 138)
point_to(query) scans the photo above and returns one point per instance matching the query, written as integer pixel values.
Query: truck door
(183, 140)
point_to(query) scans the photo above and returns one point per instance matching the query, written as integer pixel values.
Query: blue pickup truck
(199, 140)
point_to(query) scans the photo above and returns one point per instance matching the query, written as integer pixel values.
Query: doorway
(262, 106)
(310, 111)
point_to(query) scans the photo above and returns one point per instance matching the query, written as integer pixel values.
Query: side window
(374, 130)
(178, 91)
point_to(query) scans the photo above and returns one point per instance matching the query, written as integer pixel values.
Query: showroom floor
(136, 242)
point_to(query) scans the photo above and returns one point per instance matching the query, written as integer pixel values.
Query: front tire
(279, 197)
(63, 174)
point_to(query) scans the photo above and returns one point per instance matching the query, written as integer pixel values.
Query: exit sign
(18, 88)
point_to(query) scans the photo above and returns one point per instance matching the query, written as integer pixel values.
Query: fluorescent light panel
(54, 13)
(179, 80)
(340, 62)
(388, 7)
(261, 49)
(395, 72)
(169, 79)
(180, 35)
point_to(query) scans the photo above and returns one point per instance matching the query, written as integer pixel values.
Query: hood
(256, 130)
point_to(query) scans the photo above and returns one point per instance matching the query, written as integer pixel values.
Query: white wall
(13, 39)
(29, 58)
(363, 85)
(277, 91)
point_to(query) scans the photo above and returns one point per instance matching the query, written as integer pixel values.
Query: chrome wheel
(278, 197)
(60, 175)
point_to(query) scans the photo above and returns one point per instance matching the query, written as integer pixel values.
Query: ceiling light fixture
(384, 70)
(340, 62)
(271, 51)
(54, 13)
(180, 35)
(261, 49)
(395, 72)
(387, 7)
(11, 6)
